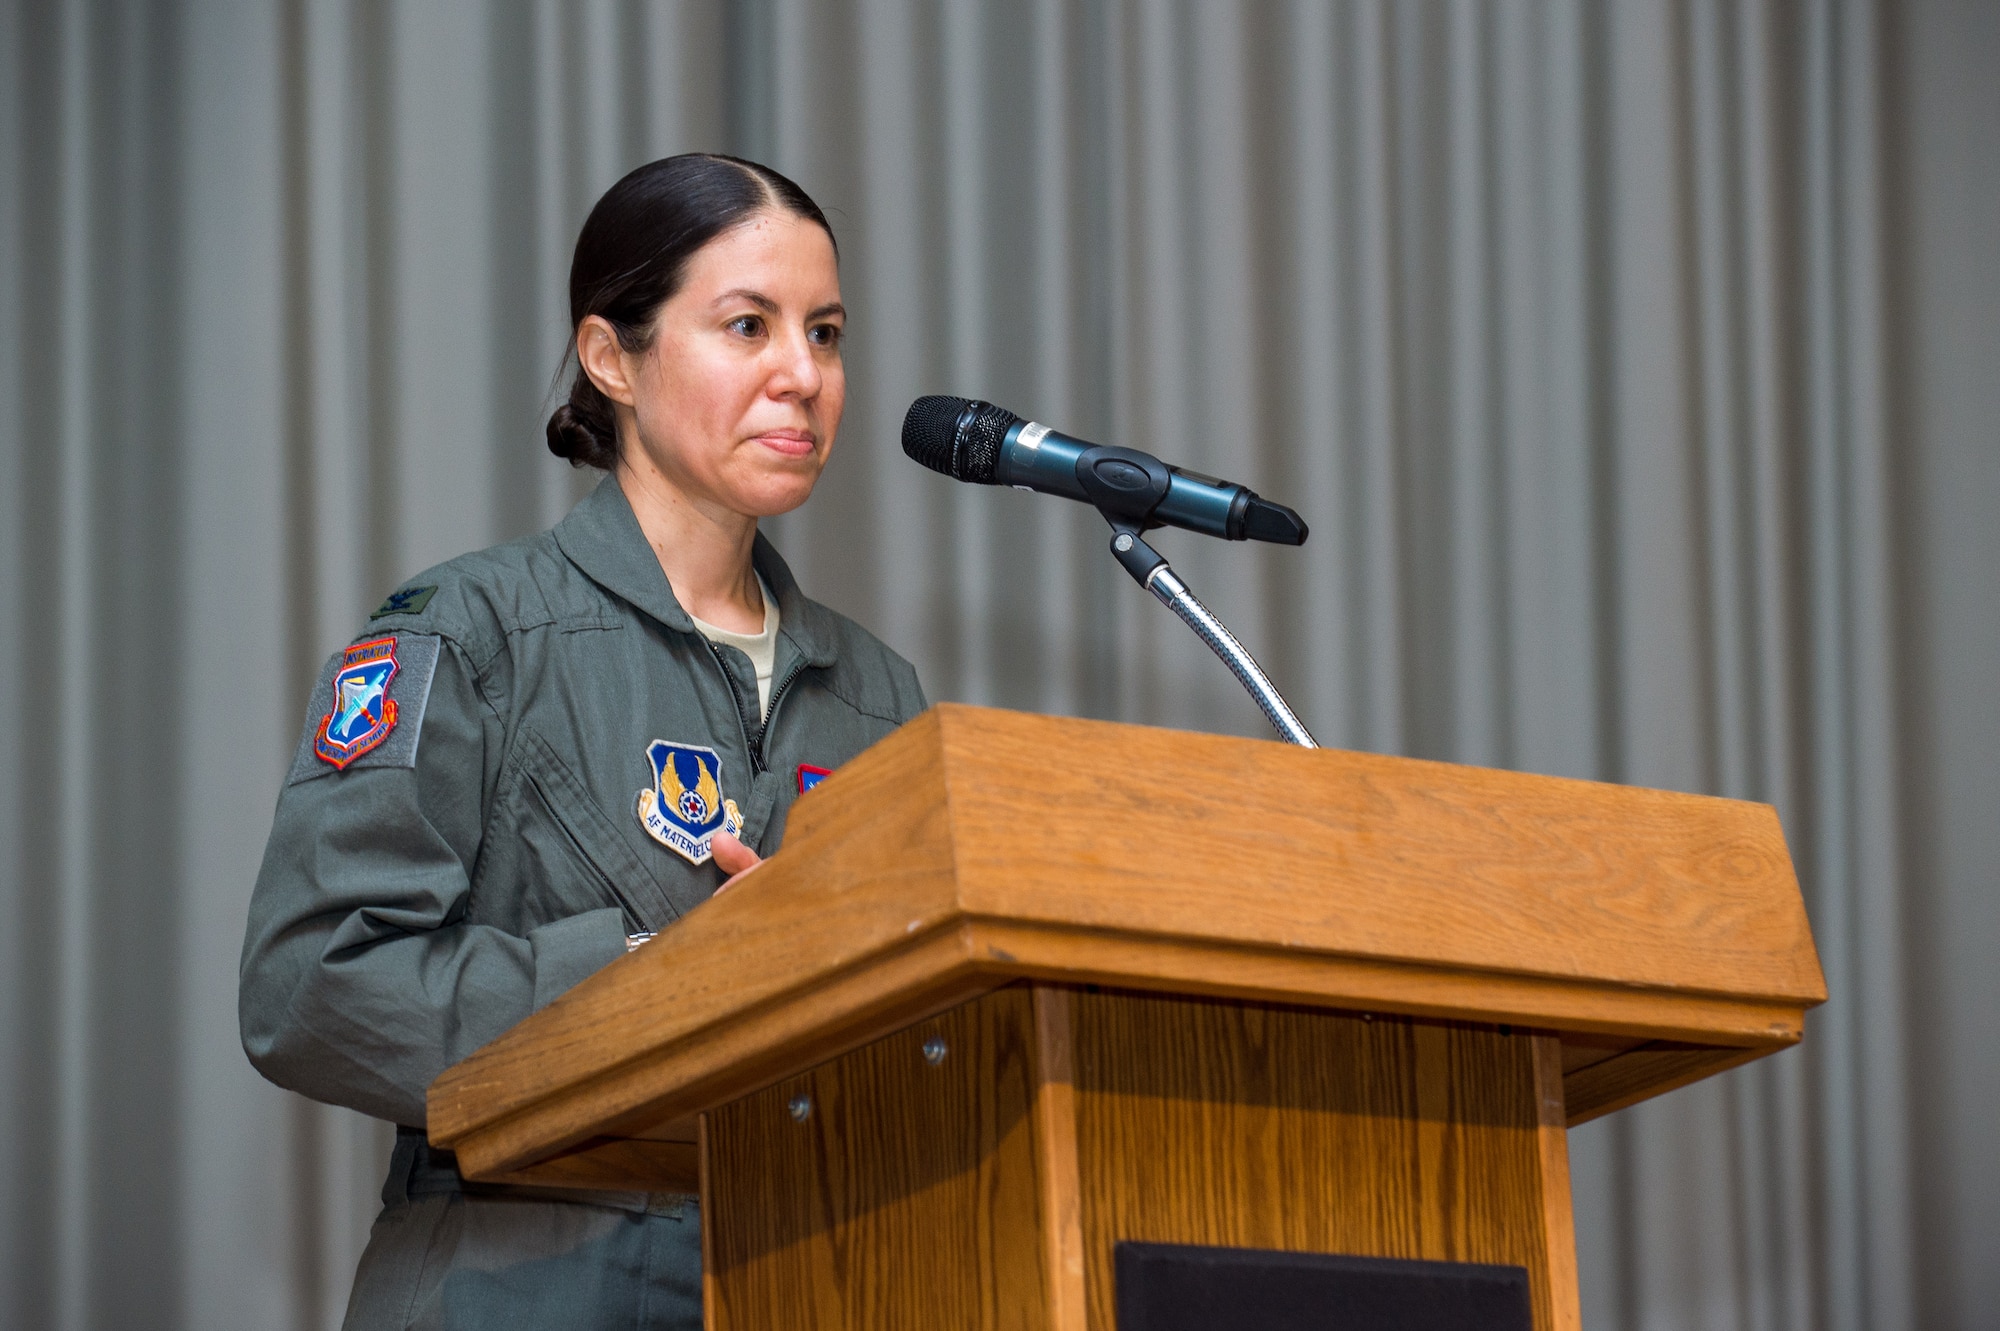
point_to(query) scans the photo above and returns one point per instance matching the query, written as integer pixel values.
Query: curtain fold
(1566, 326)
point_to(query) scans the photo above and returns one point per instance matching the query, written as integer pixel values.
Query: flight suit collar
(808, 624)
(601, 536)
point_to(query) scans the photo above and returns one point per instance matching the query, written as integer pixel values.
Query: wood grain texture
(988, 1189)
(1642, 1072)
(976, 847)
(907, 1197)
(1364, 855)
(1055, 1131)
(1224, 970)
(1558, 1204)
(1240, 1125)
(1580, 1051)
(637, 1092)
(710, 1296)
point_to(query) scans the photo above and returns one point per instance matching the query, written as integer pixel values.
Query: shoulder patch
(367, 710)
(408, 601)
(363, 714)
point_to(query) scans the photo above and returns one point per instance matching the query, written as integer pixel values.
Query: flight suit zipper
(735, 696)
(771, 712)
(754, 746)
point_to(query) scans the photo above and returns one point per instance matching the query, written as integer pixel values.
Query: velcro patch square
(367, 710)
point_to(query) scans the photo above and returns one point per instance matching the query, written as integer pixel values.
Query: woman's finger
(732, 857)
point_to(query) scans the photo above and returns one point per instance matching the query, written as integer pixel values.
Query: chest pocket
(551, 852)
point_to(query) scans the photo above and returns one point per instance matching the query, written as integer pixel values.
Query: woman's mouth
(789, 443)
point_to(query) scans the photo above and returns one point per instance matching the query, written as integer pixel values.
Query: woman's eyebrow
(757, 298)
(769, 306)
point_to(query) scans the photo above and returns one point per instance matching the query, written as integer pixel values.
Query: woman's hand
(735, 858)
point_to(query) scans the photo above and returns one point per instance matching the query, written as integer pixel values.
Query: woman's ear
(603, 359)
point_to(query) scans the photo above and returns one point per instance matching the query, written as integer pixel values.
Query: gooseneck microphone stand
(975, 441)
(1150, 570)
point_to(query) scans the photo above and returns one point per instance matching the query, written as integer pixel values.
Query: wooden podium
(1019, 988)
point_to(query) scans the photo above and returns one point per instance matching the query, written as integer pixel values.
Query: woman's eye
(746, 325)
(825, 335)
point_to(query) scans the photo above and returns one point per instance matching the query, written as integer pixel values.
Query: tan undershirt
(761, 648)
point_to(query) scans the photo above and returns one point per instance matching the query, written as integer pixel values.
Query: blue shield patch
(684, 807)
(363, 713)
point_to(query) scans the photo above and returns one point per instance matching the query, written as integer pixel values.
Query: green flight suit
(427, 888)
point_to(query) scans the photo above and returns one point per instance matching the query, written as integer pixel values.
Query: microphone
(976, 441)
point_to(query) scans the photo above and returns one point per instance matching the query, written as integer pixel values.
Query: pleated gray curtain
(1565, 325)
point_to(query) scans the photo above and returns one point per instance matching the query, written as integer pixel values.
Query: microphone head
(958, 436)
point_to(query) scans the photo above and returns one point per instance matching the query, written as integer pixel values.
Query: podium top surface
(1662, 935)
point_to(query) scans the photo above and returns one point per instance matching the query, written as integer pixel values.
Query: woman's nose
(797, 373)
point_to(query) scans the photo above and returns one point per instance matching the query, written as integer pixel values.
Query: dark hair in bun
(631, 257)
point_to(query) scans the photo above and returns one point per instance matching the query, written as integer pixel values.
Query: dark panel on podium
(1172, 1287)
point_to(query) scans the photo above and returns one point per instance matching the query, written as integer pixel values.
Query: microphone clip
(1125, 484)
(1136, 557)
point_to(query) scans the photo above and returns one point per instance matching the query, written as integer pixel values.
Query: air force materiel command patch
(683, 809)
(810, 776)
(363, 714)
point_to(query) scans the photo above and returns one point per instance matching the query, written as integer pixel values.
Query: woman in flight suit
(534, 756)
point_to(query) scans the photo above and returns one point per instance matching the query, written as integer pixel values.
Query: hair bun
(580, 435)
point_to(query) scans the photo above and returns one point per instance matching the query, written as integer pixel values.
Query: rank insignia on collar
(363, 713)
(810, 776)
(683, 809)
